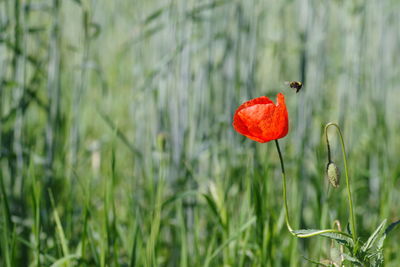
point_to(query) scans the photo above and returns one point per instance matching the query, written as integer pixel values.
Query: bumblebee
(295, 85)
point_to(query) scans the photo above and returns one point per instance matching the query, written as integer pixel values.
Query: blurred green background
(116, 141)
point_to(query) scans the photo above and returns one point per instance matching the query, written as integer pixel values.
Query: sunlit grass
(116, 141)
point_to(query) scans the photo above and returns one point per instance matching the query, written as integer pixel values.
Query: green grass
(116, 141)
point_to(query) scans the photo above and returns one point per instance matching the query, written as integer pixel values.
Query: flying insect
(295, 85)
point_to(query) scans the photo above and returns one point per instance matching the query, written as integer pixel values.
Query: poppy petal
(255, 101)
(254, 117)
(261, 120)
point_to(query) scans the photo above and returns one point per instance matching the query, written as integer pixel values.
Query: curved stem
(339, 227)
(287, 208)
(328, 147)
(352, 218)
(284, 189)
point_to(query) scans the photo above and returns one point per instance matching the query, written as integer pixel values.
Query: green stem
(352, 218)
(287, 208)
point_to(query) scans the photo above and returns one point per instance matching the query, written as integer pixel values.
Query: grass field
(117, 145)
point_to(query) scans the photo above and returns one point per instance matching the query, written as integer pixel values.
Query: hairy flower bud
(333, 174)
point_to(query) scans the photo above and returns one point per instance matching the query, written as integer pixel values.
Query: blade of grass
(59, 227)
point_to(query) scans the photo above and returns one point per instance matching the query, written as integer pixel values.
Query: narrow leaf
(316, 262)
(64, 260)
(213, 206)
(349, 258)
(391, 227)
(373, 237)
(341, 238)
(387, 231)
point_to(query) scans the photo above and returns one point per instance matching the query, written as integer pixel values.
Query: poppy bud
(333, 174)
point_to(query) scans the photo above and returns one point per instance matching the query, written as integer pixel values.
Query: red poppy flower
(261, 120)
